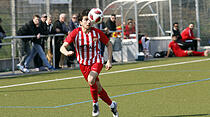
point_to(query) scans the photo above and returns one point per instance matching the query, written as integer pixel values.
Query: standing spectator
(188, 37)
(102, 26)
(37, 60)
(111, 23)
(73, 24)
(23, 44)
(2, 32)
(49, 40)
(59, 26)
(37, 30)
(144, 44)
(130, 28)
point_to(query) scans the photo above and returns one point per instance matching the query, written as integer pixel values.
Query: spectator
(59, 26)
(102, 26)
(49, 40)
(2, 32)
(36, 29)
(188, 37)
(37, 60)
(23, 44)
(130, 28)
(144, 44)
(176, 31)
(73, 24)
(111, 23)
(178, 52)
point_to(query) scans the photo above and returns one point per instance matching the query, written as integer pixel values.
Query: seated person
(188, 37)
(178, 52)
(176, 32)
(130, 28)
(144, 44)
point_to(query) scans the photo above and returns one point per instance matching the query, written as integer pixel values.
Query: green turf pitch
(179, 101)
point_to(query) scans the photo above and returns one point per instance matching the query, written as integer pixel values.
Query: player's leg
(89, 77)
(94, 91)
(104, 96)
(196, 53)
(93, 87)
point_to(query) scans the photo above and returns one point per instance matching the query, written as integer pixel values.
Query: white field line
(127, 70)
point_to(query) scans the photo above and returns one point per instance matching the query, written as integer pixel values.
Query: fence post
(122, 35)
(13, 55)
(53, 45)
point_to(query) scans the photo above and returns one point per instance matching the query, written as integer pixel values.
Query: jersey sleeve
(103, 38)
(71, 36)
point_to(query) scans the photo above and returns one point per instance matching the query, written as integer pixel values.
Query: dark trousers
(37, 60)
(58, 44)
(71, 59)
(190, 45)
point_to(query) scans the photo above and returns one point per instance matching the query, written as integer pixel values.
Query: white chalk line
(120, 71)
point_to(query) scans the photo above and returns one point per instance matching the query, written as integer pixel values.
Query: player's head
(83, 19)
(36, 19)
(191, 26)
(174, 37)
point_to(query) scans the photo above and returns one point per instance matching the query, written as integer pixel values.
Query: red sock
(195, 53)
(94, 92)
(103, 95)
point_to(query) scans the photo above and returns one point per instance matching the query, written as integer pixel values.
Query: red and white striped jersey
(87, 45)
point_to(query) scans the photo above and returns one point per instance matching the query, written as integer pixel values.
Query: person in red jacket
(130, 28)
(178, 52)
(189, 38)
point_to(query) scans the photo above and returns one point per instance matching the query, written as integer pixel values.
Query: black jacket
(111, 25)
(71, 26)
(177, 34)
(44, 27)
(2, 30)
(30, 29)
(58, 24)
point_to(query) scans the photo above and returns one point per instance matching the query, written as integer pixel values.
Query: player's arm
(169, 50)
(109, 62)
(64, 51)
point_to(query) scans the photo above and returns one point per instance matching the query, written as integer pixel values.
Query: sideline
(122, 95)
(113, 72)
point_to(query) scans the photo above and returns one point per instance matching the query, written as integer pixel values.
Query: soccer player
(87, 41)
(182, 53)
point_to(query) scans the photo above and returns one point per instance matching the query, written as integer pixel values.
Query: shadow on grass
(84, 87)
(195, 115)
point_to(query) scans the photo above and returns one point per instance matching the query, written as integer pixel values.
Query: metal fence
(12, 45)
